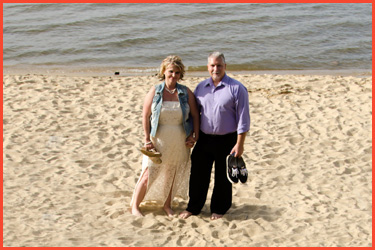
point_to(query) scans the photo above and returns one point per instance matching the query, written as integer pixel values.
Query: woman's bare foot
(185, 214)
(137, 212)
(216, 216)
(168, 211)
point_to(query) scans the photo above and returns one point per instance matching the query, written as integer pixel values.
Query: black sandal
(232, 170)
(243, 171)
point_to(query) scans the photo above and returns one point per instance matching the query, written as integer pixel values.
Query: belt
(217, 136)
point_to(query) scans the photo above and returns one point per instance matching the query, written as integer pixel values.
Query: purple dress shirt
(224, 109)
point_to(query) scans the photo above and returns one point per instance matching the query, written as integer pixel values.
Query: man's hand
(237, 150)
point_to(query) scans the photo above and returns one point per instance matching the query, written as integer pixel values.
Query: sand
(70, 163)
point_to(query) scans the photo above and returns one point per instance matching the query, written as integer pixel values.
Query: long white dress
(174, 171)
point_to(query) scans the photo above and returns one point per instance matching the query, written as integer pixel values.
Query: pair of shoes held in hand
(236, 169)
(152, 153)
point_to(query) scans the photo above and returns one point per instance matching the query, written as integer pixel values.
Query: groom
(223, 103)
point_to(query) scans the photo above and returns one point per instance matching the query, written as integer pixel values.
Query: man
(223, 104)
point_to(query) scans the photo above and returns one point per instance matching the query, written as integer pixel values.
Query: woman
(171, 125)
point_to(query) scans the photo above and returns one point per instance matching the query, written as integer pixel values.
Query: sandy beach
(71, 160)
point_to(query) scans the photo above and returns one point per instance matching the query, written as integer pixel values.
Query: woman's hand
(190, 141)
(148, 145)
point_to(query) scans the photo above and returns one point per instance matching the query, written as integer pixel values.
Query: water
(136, 37)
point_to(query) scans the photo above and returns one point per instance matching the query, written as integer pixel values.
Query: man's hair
(216, 54)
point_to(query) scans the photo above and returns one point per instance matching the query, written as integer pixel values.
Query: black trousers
(208, 150)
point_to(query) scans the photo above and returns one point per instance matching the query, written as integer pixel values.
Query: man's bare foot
(185, 214)
(137, 212)
(216, 216)
(169, 211)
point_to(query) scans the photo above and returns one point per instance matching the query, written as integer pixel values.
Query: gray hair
(216, 54)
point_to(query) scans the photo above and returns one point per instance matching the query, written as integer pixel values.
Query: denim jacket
(157, 103)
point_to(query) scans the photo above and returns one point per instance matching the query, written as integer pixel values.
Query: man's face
(216, 68)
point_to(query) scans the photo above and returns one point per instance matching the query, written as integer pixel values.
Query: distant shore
(146, 71)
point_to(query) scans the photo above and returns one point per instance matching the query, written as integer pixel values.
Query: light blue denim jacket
(183, 97)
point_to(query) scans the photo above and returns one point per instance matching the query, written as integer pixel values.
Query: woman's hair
(171, 60)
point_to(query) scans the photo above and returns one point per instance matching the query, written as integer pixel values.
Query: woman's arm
(194, 113)
(146, 114)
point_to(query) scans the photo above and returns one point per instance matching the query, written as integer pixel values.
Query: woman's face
(172, 74)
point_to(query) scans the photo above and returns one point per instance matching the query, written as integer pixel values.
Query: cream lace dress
(174, 171)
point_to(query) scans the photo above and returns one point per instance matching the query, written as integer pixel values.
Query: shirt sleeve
(243, 112)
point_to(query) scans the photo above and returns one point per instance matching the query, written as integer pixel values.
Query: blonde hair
(171, 60)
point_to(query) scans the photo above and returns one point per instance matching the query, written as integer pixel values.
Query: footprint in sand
(295, 140)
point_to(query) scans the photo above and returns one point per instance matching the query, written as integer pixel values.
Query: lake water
(136, 37)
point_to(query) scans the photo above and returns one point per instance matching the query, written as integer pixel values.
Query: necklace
(170, 91)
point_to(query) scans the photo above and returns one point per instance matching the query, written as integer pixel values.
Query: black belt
(216, 136)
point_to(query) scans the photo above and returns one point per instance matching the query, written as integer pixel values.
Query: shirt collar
(222, 82)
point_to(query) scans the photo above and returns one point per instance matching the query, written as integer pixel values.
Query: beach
(71, 161)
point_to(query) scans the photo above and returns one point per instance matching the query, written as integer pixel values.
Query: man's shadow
(253, 212)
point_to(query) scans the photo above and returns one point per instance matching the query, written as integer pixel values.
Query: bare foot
(137, 212)
(216, 216)
(185, 214)
(169, 211)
